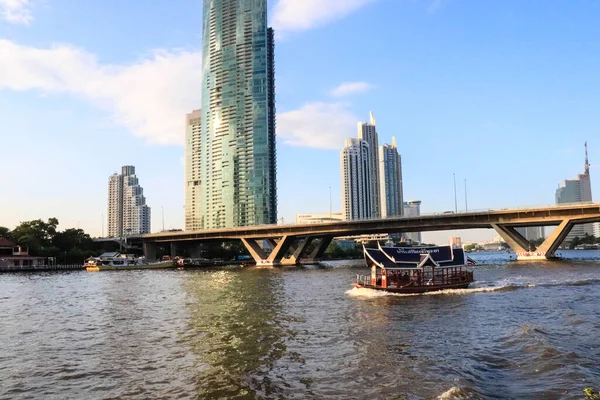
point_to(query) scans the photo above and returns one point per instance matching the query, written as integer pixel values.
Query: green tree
(36, 235)
(4, 232)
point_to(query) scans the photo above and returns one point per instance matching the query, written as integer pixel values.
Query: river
(523, 331)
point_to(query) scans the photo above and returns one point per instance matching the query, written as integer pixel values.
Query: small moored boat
(118, 261)
(410, 270)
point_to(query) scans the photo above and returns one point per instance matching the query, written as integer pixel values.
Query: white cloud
(298, 15)
(16, 11)
(317, 125)
(150, 97)
(348, 88)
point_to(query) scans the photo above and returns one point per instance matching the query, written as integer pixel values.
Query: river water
(523, 331)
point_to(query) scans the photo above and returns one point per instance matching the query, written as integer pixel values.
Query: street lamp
(329, 203)
(163, 217)
(466, 203)
(455, 201)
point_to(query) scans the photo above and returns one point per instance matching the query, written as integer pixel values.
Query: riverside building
(577, 190)
(413, 209)
(230, 147)
(390, 177)
(357, 176)
(367, 131)
(128, 213)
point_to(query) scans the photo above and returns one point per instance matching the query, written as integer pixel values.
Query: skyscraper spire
(393, 141)
(587, 163)
(372, 118)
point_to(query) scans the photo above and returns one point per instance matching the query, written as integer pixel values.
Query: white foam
(371, 293)
(453, 393)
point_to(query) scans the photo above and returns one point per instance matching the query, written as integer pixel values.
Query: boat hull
(163, 265)
(415, 289)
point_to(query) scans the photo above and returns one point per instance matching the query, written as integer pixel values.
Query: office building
(577, 190)
(302, 219)
(357, 178)
(413, 209)
(597, 229)
(367, 131)
(128, 213)
(456, 241)
(230, 154)
(390, 178)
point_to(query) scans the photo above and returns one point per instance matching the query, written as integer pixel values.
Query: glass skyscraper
(236, 184)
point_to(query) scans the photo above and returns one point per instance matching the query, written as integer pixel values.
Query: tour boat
(413, 270)
(118, 261)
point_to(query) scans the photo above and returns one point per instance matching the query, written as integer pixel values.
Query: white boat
(119, 261)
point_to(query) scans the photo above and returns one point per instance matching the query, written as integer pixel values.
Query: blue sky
(501, 93)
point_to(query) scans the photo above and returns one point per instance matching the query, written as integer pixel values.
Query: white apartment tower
(128, 213)
(193, 161)
(413, 209)
(367, 131)
(357, 178)
(390, 178)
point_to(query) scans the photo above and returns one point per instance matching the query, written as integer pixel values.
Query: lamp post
(455, 201)
(329, 203)
(162, 210)
(466, 203)
(102, 218)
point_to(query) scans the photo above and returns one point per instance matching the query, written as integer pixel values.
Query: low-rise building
(13, 255)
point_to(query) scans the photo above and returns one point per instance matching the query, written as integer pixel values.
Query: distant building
(357, 178)
(13, 255)
(193, 162)
(577, 190)
(128, 213)
(597, 229)
(413, 209)
(390, 178)
(367, 131)
(531, 233)
(302, 219)
(456, 241)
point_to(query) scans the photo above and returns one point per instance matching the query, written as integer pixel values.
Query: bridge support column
(280, 250)
(527, 252)
(257, 253)
(514, 239)
(173, 249)
(299, 252)
(319, 250)
(150, 251)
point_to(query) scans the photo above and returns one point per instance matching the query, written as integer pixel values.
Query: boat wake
(455, 393)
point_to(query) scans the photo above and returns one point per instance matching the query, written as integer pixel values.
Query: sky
(502, 94)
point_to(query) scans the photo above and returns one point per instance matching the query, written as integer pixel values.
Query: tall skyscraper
(235, 170)
(367, 131)
(357, 176)
(193, 194)
(413, 209)
(390, 178)
(577, 190)
(128, 213)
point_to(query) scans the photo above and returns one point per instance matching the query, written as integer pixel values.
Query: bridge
(291, 243)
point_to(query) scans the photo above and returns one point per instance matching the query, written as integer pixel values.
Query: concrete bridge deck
(503, 221)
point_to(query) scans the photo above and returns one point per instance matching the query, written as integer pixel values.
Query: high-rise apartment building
(577, 190)
(193, 162)
(231, 149)
(390, 178)
(597, 229)
(367, 131)
(128, 213)
(413, 209)
(357, 176)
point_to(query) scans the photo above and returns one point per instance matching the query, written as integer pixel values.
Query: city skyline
(467, 85)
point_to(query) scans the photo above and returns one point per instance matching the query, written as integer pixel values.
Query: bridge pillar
(257, 253)
(514, 239)
(319, 249)
(527, 252)
(173, 249)
(280, 250)
(150, 251)
(299, 252)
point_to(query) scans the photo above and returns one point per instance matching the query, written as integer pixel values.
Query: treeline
(43, 239)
